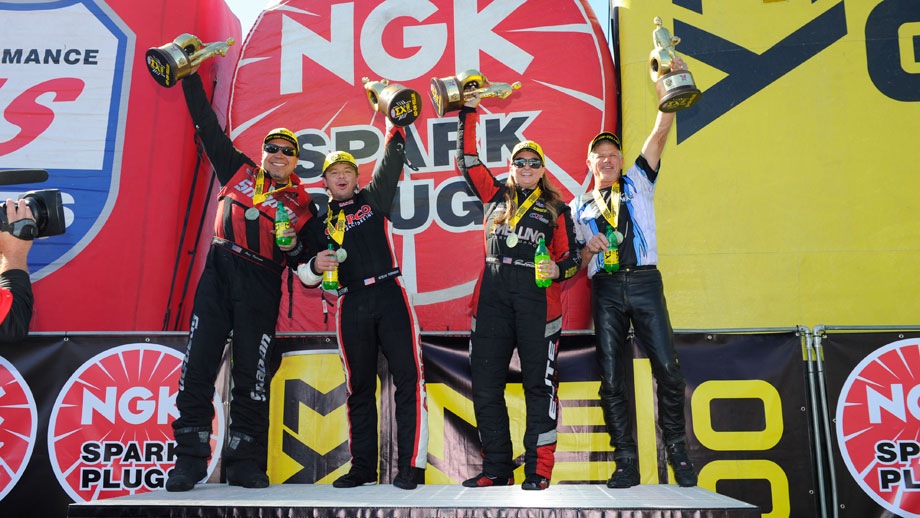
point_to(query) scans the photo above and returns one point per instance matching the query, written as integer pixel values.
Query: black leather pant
(635, 296)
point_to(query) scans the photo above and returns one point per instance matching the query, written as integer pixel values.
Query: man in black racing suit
(373, 311)
(238, 295)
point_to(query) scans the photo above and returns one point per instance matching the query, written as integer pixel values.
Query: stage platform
(454, 501)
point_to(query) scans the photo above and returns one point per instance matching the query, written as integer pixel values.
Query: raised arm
(225, 158)
(477, 175)
(654, 144)
(381, 190)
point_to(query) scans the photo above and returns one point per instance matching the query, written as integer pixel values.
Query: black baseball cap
(605, 135)
(283, 134)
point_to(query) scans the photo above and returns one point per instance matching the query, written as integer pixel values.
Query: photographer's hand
(14, 252)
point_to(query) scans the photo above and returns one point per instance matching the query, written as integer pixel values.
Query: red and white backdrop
(302, 67)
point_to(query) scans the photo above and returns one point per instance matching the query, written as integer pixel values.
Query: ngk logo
(134, 406)
(878, 426)
(110, 431)
(18, 425)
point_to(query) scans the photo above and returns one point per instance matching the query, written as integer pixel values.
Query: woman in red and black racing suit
(510, 310)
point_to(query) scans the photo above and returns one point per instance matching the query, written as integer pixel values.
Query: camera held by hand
(46, 206)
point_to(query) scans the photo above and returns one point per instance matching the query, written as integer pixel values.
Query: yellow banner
(787, 193)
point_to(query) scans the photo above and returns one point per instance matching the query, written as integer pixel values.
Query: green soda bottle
(612, 254)
(281, 223)
(331, 277)
(541, 255)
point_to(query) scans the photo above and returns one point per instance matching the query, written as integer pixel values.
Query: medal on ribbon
(337, 232)
(259, 195)
(611, 211)
(512, 239)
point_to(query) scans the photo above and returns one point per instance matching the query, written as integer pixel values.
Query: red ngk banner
(302, 67)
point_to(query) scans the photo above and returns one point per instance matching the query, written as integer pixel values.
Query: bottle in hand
(542, 254)
(282, 222)
(331, 277)
(612, 253)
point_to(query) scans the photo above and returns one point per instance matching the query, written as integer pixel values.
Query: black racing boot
(241, 458)
(535, 482)
(193, 447)
(625, 475)
(355, 478)
(680, 462)
(188, 472)
(409, 478)
(485, 480)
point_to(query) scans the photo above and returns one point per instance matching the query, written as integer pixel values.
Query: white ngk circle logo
(878, 426)
(18, 425)
(110, 431)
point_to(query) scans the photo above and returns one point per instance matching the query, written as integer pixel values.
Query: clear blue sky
(248, 10)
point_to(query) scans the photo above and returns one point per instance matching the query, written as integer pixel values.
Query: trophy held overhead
(681, 91)
(181, 58)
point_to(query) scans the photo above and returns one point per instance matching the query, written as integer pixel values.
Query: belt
(628, 269)
(247, 254)
(370, 281)
(510, 261)
(642, 268)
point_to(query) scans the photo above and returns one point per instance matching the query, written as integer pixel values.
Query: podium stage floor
(454, 501)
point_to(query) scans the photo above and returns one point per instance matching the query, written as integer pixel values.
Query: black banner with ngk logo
(873, 395)
(88, 417)
(99, 427)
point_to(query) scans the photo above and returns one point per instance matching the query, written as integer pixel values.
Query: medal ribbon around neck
(524, 207)
(260, 195)
(610, 212)
(337, 229)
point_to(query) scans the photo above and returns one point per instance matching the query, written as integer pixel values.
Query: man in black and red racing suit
(374, 312)
(237, 296)
(511, 310)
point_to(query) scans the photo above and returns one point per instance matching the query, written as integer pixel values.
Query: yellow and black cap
(338, 157)
(283, 134)
(604, 135)
(532, 146)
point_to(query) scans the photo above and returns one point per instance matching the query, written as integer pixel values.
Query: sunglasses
(271, 149)
(534, 163)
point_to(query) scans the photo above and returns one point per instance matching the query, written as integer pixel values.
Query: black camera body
(47, 209)
(46, 205)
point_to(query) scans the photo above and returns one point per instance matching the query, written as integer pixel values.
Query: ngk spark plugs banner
(874, 398)
(87, 418)
(76, 99)
(99, 424)
(786, 191)
(303, 64)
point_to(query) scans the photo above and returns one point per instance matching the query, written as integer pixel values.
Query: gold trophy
(680, 90)
(449, 93)
(181, 58)
(400, 104)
